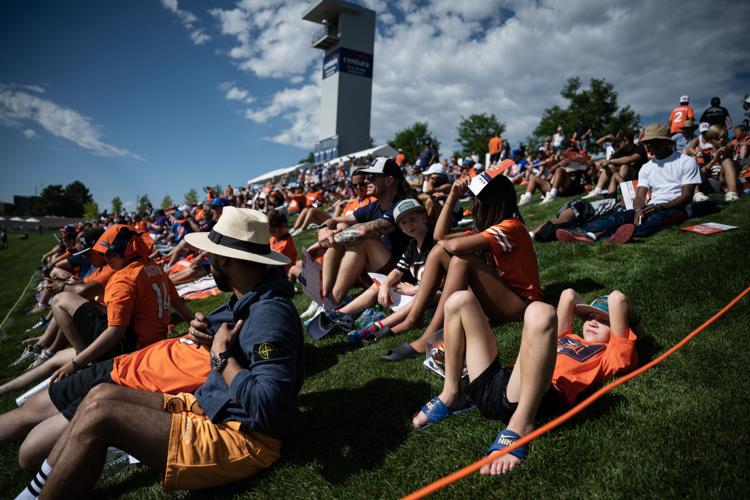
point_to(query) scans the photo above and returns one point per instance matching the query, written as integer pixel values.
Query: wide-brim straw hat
(240, 233)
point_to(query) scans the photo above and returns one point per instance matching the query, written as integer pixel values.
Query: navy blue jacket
(263, 396)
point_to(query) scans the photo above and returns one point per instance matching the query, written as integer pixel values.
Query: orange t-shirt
(314, 197)
(400, 158)
(297, 203)
(514, 257)
(495, 145)
(285, 245)
(101, 275)
(170, 366)
(139, 296)
(581, 364)
(357, 203)
(678, 116)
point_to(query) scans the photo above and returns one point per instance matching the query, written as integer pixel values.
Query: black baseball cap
(382, 165)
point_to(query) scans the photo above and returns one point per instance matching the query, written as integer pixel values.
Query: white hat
(406, 206)
(382, 165)
(685, 99)
(240, 233)
(436, 168)
(703, 127)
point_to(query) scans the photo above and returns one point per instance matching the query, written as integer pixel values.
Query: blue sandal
(436, 411)
(505, 438)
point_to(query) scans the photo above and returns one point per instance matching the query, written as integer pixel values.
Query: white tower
(348, 38)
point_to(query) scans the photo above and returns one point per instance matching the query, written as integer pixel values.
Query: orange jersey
(297, 203)
(678, 116)
(400, 159)
(314, 197)
(514, 257)
(171, 365)
(138, 296)
(356, 204)
(581, 364)
(140, 226)
(495, 145)
(285, 245)
(101, 275)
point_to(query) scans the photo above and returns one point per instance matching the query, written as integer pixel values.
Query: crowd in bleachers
(447, 242)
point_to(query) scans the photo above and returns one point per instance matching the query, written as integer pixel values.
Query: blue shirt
(396, 241)
(263, 396)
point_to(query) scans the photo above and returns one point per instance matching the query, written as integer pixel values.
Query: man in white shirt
(670, 176)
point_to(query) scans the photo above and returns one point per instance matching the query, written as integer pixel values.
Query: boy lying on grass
(554, 365)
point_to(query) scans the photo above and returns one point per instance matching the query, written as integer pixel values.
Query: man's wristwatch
(219, 361)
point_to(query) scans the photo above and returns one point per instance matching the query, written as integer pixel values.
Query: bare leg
(371, 254)
(531, 377)
(110, 415)
(16, 424)
(467, 337)
(49, 335)
(366, 299)
(63, 309)
(44, 370)
(729, 174)
(39, 442)
(434, 270)
(498, 301)
(331, 263)
(188, 275)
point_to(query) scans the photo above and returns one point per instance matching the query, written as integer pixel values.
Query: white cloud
(439, 60)
(197, 35)
(234, 93)
(29, 133)
(17, 106)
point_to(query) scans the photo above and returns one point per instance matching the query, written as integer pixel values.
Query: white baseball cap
(703, 127)
(436, 168)
(684, 98)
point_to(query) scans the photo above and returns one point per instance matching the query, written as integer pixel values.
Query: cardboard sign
(397, 300)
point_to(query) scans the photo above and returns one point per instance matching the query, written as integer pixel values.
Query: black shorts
(68, 393)
(91, 320)
(489, 392)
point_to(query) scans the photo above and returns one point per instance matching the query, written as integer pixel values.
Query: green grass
(679, 430)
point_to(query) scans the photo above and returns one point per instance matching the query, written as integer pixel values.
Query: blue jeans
(656, 222)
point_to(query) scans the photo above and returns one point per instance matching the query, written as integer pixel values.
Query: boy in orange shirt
(554, 365)
(281, 241)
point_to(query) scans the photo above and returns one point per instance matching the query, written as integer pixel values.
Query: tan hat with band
(240, 233)
(656, 132)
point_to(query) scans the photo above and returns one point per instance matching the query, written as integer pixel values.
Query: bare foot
(501, 465)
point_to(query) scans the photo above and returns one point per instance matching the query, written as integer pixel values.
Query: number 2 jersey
(138, 297)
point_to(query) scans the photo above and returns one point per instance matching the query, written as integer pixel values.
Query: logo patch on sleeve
(576, 349)
(267, 351)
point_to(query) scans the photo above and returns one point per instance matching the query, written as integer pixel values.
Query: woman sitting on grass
(553, 368)
(411, 218)
(496, 260)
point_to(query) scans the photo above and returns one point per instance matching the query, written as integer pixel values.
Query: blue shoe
(436, 411)
(505, 438)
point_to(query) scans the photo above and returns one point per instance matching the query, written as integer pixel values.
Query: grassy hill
(679, 430)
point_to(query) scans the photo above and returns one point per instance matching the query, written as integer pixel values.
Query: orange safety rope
(461, 473)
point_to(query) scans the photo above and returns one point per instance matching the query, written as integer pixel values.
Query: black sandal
(404, 351)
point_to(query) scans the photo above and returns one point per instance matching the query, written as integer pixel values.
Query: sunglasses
(369, 177)
(359, 185)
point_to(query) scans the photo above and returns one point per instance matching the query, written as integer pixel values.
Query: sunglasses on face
(369, 177)
(359, 185)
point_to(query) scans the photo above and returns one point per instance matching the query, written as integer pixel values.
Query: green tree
(596, 105)
(310, 158)
(191, 196)
(143, 203)
(116, 205)
(475, 132)
(51, 201)
(167, 201)
(76, 197)
(91, 210)
(412, 140)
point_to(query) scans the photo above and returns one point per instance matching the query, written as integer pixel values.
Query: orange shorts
(203, 454)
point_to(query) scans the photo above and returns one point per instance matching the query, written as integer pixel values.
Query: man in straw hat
(233, 426)
(671, 178)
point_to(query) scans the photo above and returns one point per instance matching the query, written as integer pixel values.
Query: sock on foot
(370, 329)
(34, 489)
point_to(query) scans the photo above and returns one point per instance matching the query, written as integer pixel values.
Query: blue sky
(158, 96)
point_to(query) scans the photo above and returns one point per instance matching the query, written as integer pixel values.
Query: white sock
(599, 191)
(531, 234)
(553, 192)
(34, 489)
(526, 195)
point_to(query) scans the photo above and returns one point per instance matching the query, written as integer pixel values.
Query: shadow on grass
(583, 286)
(319, 358)
(346, 431)
(135, 477)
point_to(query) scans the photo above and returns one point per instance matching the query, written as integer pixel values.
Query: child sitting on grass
(496, 260)
(411, 218)
(281, 240)
(553, 368)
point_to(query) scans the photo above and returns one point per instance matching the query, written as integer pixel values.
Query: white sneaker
(592, 194)
(40, 359)
(26, 355)
(699, 197)
(524, 199)
(548, 199)
(311, 311)
(731, 196)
